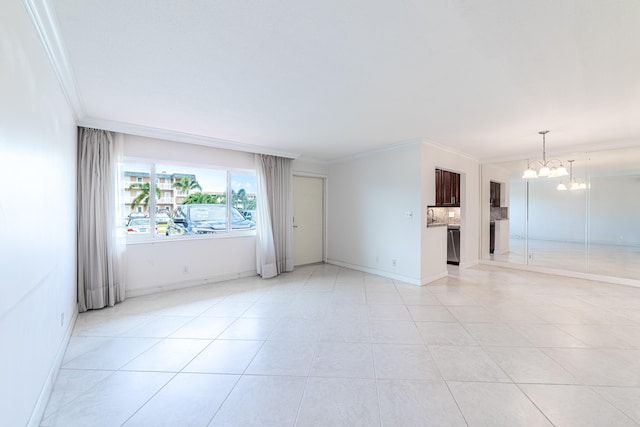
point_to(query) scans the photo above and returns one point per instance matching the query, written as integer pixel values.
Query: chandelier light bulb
(574, 184)
(544, 172)
(529, 174)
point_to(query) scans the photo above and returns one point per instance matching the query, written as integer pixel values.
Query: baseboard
(469, 264)
(433, 278)
(47, 388)
(130, 293)
(405, 279)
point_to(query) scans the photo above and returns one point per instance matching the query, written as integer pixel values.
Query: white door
(307, 220)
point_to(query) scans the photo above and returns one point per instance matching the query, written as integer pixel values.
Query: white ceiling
(333, 78)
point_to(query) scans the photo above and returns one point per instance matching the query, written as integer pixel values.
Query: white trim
(464, 265)
(405, 279)
(449, 150)
(565, 273)
(169, 135)
(564, 150)
(325, 258)
(302, 158)
(433, 278)
(153, 239)
(310, 174)
(188, 284)
(45, 23)
(47, 388)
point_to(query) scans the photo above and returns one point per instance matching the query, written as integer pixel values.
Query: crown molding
(392, 147)
(313, 160)
(45, 23)
(449, 150)
(567, 150)
(169, 135)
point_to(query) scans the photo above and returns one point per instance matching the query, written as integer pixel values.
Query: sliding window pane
(136, 181)
(243, 194)
(193, 200)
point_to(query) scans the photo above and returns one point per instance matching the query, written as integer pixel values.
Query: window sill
(164, 239)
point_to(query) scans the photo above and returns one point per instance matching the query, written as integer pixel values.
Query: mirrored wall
(588, 222)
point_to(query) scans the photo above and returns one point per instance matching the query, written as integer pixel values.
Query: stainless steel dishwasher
(453, 244)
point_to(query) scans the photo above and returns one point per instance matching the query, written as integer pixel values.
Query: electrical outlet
(393, 263)
(185, 269)
(530, 257)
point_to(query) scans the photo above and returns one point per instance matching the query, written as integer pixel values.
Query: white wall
(368, 201)
(310, 167)
(433, 157)
(37, 220)
(172, 151)
(158, 265)
(164, 265)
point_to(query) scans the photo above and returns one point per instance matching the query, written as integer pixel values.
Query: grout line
(456, 402)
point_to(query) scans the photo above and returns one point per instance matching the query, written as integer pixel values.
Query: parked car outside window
(138, 225)
(206, 219)
(141, 225)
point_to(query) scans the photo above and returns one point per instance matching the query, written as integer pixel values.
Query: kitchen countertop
(442, 224)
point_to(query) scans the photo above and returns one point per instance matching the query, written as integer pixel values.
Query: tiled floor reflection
(329, 346)
(605, 260)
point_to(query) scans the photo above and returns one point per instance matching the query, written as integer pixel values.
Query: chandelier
(574, 184)
(547, 168)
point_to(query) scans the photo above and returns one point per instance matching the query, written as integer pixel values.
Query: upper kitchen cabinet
(447, 188)
(494, 198)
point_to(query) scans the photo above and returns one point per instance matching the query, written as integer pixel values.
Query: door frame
(325, 208)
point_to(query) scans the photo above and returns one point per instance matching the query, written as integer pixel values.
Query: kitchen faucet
(430, 212)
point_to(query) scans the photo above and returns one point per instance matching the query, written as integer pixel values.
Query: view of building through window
(185, 200)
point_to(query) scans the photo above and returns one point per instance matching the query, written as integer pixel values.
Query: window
(243, 194)
(188, 201)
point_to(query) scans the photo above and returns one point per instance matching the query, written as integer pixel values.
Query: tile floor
(328, 346)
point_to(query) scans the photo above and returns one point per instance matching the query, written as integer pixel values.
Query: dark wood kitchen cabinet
(494, 198)
(447, 188)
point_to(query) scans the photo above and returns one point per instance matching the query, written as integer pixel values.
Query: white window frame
(151, 236)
